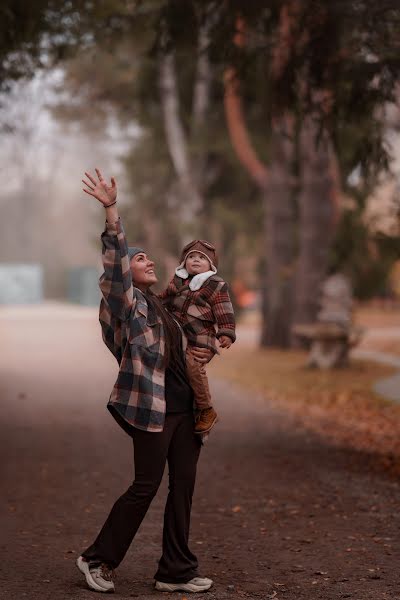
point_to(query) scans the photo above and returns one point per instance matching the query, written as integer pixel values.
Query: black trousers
(180, 446)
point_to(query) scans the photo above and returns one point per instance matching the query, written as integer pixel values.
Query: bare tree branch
(235, 119)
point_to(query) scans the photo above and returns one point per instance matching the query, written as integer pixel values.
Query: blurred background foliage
(265, 127)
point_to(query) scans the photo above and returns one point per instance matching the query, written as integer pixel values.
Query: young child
(199, 300)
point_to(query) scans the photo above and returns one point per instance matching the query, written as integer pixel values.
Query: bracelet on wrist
(111, 203)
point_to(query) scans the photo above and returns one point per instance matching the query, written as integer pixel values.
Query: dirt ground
(277, 512)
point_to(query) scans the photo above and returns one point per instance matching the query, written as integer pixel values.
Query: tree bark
(280, 240)
(316, 219)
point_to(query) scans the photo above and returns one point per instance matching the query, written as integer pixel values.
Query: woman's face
(142, 269)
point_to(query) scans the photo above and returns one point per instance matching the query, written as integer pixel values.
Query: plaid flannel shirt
(136, 340)
(205, 314)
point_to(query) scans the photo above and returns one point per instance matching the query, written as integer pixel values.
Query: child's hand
(225, 341)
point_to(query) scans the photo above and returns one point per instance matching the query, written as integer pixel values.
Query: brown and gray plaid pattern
(205, 314)
(135, 338)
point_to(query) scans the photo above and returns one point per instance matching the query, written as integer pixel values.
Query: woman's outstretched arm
(116, 281)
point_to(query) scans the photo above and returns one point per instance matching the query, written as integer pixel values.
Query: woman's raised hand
(100, 190)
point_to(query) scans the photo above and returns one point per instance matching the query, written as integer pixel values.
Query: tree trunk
(279, 215)
(191, 168)
(176, 136)
(275, 182)
(316, 220)
(203, 78)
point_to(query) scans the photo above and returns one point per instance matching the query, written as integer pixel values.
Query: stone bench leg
(328, 354)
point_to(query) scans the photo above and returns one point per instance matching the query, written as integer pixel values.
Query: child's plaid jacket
(136, 340)
(205, 314)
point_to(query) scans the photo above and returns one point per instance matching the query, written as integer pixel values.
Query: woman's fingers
(113, 183)
(88, 184)
(88, 175)
(202, 355)
(99, 175)
(90, 193)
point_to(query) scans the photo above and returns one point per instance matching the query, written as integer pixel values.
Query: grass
(281, 375)
(339, 404)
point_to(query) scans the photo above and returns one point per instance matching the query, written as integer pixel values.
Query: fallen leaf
(297, 569)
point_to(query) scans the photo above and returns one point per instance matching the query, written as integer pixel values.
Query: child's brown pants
(198, 380)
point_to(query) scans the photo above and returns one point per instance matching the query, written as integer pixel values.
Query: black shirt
(178, 393)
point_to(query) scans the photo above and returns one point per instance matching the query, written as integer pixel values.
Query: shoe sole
(83, 567)
(183, 587)
(209, 428)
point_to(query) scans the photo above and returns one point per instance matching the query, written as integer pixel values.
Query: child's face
(197, 263)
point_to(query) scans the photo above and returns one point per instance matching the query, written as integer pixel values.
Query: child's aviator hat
(209, 252)
(204, 248)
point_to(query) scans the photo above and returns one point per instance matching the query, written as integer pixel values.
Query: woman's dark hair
(173, 338)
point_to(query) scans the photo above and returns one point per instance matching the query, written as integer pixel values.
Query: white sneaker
(201, 580)
(197, 584)
(99, 579)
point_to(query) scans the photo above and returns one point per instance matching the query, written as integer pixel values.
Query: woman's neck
(141, 287)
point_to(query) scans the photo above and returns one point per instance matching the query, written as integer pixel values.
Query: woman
(153, 402)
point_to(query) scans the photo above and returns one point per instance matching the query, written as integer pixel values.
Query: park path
(277, 513)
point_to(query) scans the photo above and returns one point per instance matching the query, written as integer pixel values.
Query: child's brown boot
(207, 419)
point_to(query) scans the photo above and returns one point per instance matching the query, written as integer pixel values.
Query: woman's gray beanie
(133, 250)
